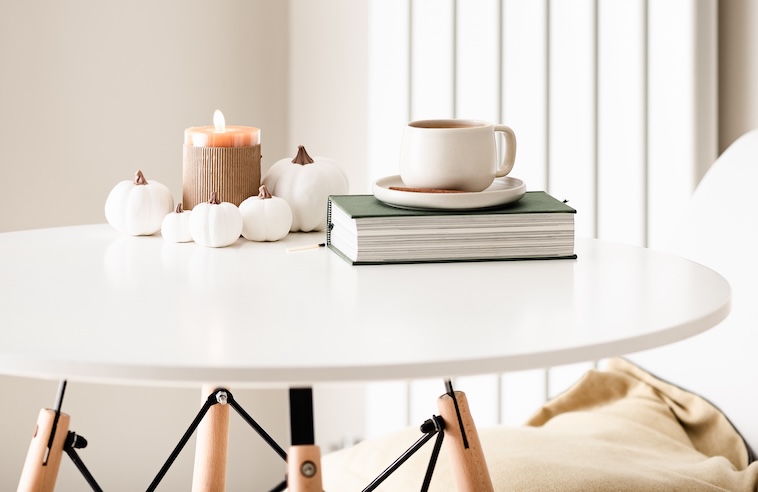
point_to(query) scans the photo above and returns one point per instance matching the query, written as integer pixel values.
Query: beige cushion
(617, 429)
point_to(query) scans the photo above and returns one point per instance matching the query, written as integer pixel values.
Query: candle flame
(219, 122)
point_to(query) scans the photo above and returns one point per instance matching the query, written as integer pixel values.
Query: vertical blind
(614, 106)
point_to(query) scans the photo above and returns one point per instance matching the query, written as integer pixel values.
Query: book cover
(367, 206)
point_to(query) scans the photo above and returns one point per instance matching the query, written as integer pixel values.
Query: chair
(720, 231)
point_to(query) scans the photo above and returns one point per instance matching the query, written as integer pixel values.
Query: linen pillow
(618, 429)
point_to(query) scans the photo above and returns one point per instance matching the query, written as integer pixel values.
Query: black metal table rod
(218, 396)
(433, 426)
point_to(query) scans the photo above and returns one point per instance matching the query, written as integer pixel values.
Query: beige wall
(738, 74)
(91, 91)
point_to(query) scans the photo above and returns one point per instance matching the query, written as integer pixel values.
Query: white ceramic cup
(454, 154)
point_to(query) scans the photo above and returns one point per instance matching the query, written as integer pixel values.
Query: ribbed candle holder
(234, 173)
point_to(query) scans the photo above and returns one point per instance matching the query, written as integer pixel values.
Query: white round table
(87, 303)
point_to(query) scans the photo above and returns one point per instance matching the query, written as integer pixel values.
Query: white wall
(328, 84)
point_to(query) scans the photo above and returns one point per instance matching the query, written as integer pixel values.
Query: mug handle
(509, 156)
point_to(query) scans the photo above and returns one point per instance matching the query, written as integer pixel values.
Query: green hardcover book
(364, 230)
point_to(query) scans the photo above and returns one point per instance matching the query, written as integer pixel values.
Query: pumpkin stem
(139, 178)
(179, 208)
(263, 193)
(214, 199)
(302, 157)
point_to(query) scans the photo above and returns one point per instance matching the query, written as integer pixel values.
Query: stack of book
(364, 230)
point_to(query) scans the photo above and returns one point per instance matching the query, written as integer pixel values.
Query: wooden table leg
(303, 457)
(467, 457)
(212, 446)
(304, 469)
(36, 476)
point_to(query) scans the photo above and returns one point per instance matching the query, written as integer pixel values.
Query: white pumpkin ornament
(138, 207)
(215, 224)
(175, 227)
(306, 183)
(265, 217)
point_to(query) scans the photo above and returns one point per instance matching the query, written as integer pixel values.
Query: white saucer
(501, 191)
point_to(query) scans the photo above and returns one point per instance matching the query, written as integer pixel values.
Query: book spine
(329, 224)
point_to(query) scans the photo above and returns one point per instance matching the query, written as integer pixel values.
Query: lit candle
(220, 159)
(220, 135)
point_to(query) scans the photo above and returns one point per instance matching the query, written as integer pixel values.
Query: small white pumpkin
(214, 223)
(306, 183)
(138, 207)
(175, 227)
(265, 217)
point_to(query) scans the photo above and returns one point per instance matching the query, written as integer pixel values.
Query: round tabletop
(88, 303)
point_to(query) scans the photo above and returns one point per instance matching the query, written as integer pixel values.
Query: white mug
(454, 154)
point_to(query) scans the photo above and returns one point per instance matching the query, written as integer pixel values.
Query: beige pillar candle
(222, 159)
